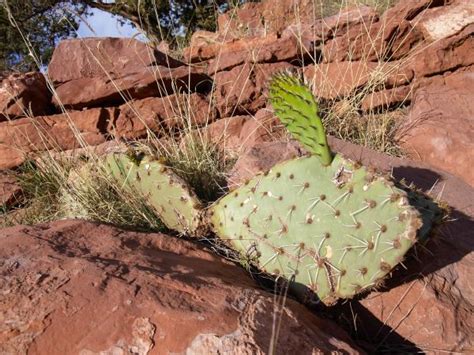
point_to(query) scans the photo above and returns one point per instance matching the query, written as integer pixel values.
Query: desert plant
(322, 220)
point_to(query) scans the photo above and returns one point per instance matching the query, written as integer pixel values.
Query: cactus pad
(175, 204)
(338, 229)
(297, 109)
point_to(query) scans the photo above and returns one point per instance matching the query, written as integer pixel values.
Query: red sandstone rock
(23, 95)
(445, 55)
(240, 133)
(446, 21)
(10, 191)
(386, 99)
(276, 50)
(25, 136)
(242, 90)
(201, 38)
(112, 58)
(332, 26)
(256, 19)
(392, 37)
(199, 51)
(149, 81)
(110, 71)
(335, 80)
(440, 126)
(261, 157)
(268, 49)
(73, 287)
(161, 115)
(340, 79)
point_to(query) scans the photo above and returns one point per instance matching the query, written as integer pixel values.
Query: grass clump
(91, 194)
(41, 183)
(377, 131)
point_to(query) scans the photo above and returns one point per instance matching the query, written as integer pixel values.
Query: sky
(103, 24)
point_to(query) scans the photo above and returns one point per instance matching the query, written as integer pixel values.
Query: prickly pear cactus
(322, 221)
(167, 193)
(337, 229)
(297, 109)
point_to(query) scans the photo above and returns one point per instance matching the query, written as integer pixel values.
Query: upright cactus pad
(175, 204)
(297, 109)
(338, 229)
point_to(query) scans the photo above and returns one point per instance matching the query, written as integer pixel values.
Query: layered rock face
(377, 61)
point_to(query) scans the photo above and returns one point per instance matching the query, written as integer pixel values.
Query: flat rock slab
(22, 137)
(154, 81)
(73, 287)
(103, 57)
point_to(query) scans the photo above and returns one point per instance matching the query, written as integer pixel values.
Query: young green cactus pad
(175, 204)
(297, 109)
(338, 229)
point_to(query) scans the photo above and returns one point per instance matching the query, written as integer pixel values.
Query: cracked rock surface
(74, 287)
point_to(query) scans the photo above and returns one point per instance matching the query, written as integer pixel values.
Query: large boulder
(110, 71)
(445, 55)
(73, 287)
(156, 81)
(446, 21)
(239, 133)
(23, 95)
(342, 79)
(268, 49)
(320, 30)
(439, 129)
(101, 57)
(392, 36)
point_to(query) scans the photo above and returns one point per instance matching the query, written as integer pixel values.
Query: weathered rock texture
(73, 287)
(150, 81)
(440, 125)
(102, 57)
(242, 89)
(161, 114)
(374, 61)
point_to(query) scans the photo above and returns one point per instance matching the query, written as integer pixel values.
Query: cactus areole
(331, 225)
